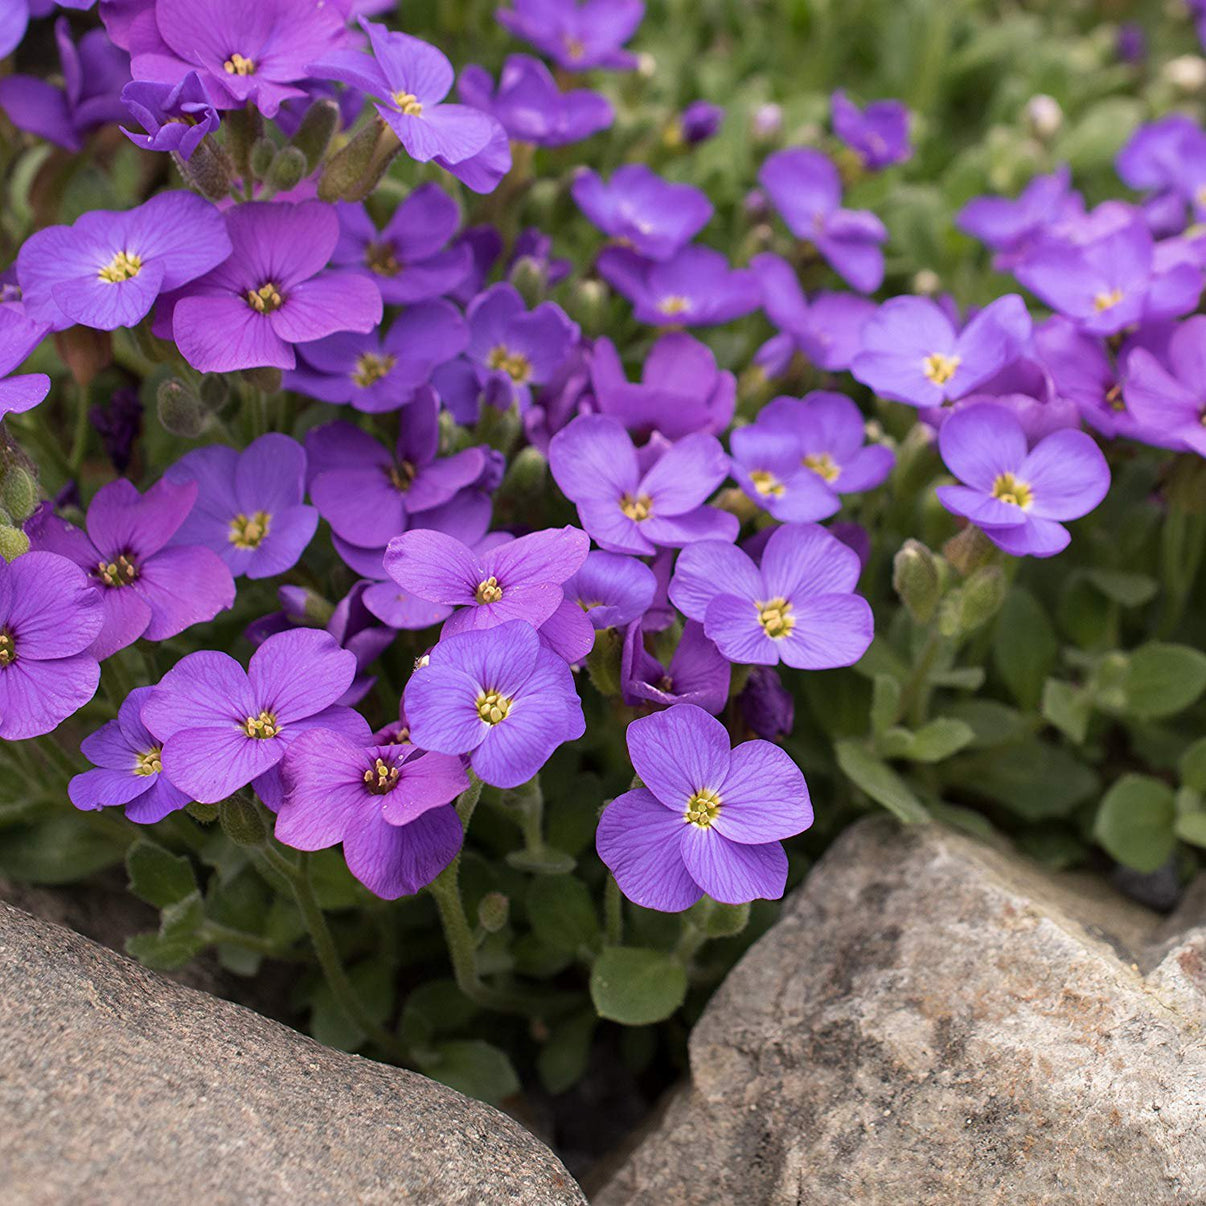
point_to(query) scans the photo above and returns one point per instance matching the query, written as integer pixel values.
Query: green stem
(915, 698)
(215, 932)
(613, 913)
(79, 440)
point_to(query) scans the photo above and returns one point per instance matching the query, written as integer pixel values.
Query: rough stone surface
(118, 1086)
(935, 1021)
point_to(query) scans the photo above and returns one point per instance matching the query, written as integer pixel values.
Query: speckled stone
(118, 1086)
(935, 1021)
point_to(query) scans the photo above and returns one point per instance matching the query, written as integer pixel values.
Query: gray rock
(120, 1087)
(935, 1021)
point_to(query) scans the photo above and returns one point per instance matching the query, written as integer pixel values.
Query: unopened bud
(13, 542)
(603, 661)
(974, 603)
(529, 277)
(315, 131)
(527, 477)
(205, 813)
(287, 169)
(210, 170)
(1044, 117)
(915, 579)
(214, 392)
(969, 550)
(85, 351)
(493, 910)
(497, 427)
(265, 378)
(18, 493)
(1187, 73)
(926, 282)
(588, 305)
(263, 150)
(241, 821)
(180, 409)
(356, 170)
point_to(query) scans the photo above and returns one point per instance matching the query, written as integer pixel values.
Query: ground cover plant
(489, 496)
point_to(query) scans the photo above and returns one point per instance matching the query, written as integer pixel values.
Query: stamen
(371, 368)
(767, 484)
(380, 258)
(823, 465)
(117, 573)
(8, 648)
(674, 305)
(1113, 398)
(776, 618)
(382, 778)
(489, 591)
(493, 707)
(261, 727)
(637, 508)
(703, 808)
(408, 103)
(574, 47)
(149, 763)
(665, 683)
(248, 532)
(516, 365)
(402, 476)
(265, 299)
(238, 65)
(124, 266)
(1107, 301)
(1010, 489)
(939, 368)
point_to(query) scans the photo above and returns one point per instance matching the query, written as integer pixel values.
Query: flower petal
(640, 842)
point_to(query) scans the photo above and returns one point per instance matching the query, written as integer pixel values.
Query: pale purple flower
(1011, 225)
(578, 35)
(612, 589)
(18, 338)
(878, 134)
(698, 672)
(1170, 398)
(695, 287)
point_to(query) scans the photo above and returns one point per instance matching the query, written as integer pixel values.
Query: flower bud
(18, 493)
(180, 409)
(262, 152)
(287, 169)
(1044, 117)
(493, 910)
(315, 131)
(767, 706)
(13, 542)
(767, 122)
(210, 170)
(348, 165)
(926, 282)
(241, 821)
(266, 378)
(588, 305)
(1187, 73)
(915, 579)
(243, 127)
(214, 392)
(205, 813)
(969, 550)
(529, 277)
(85, 352)
(526, 479)
(974, 603)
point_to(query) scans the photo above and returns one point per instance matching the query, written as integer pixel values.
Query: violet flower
(18, 338)
(805, 188)
(768, 465)
(766, 705)
(118, 423)
(612, 589)
(176, 117)
(149, 587)
(14, 21)
(698, 122)
(707, 820)
(798, 606)
(878, 134)
(696, 287)
(499, 696)
(128, 768)
(1019, 497)
(485, 246)
(107, 268)
(1172, 399)
(578, 35)
(1010, 226)
(49, 616)
(698, 672)
(627, 510)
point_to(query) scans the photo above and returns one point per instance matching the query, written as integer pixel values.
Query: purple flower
(244, 53)
(375, 372)
(577, 35)
(485, 246)
(118, 422)
(530, 107)
(107, 268)
(222, 727)
(1172, 400)
(696, 287)
(148, 586)
(368, 494)
(1131, 43)
(18, 337)
(499, 696)
(698, 673)
(49, 616)
(1167, 158)
(681, 389)
(387, 804)
(518, 580)
(535, 247)
(628, 510)
(612, 589)
(879, 134)
(768, 464)
(654, 217)
(709, 819)
(128, 768)
(797, 607)
(176, 117)
(912, 353)
(807, 191)
(272, 292)
(410, 259)
(1011, 226)
(249, 506)
(698, 122)
(1019, 497)
(14, 20)
(766, 705)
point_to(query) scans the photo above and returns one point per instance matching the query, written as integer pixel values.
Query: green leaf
(1128, 590)
(1162, 680)
(158, 876)
(542, 862)
(58, 850)
(562, 913)
(1135, 822)
(1193, 766)
(637, 986)
(933, 742)
(725, 920)
(178, 939)
(992, 723)
(373, 981)
(473, 1067)
(1024, 647)
(880, 782)
(1191, 827)
(1068, 708)
(562, 1060)
(1033, 778)
(885, 703)
(959, 678)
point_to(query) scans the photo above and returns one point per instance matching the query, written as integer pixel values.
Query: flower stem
(79, 440)
(613, 913)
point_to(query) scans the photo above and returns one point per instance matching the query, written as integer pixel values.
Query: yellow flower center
(238, 65)
(574, 47)
(939, 368)
(248, 532)
(261, 727)
(371, 368)
(674, 305)
(516, 365)
(381, 778)
(117, 573)
(124, 266)
(265, 299)
(776, 618)
(823, 465)
(703, 808)
(638, 508)
(493, 706)
(8, 648)
(381, 259)
(766, 483)
(489, 591)
(149, 763)
(402, 476)
(1010, 489)
(1107, 301)
(408, 103)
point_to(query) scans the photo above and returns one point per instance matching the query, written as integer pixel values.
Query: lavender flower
(612, 589)
(766, 705)
(696, 287)
(18, 338)
(578, 35)
(1171, 400)
(708, 818)
(698, 672)
(878, 134)
(176, 117)
(1011, 226)
(387, 804)
(797, 607)
(499, 696)
(698, 122)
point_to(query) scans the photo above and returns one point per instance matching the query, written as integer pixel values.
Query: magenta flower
(148, 586)
(578, 35)
(612, 589)
(1019, 497)
(107, 269)
(627, 510)
(878, 134)
(249, 506)
(222, 727)
(128, 770)
(709, 819)
(176, 117)
(387, 804)
(271, 292)
(49, 616)
(797, 607)
(698, 672)
(499, 696)
(18, 338)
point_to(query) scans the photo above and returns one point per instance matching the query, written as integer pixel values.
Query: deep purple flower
(698, 122)
(707, 820)
(149, 587)
(654, 217)
(244, 53)
(698, 672)
(911, 351)
(530, 107)
(696, 287)
(628, 510)
(534, 247)
(797, 607)
(1131, 43)
(387, 804)
(272, 292)
(118, 423)
(18, 338)
(1019, 497)
(577, 35)
(176, 117)
(1171, 400)
(499, 696)
(128, 768)
(807, 191)
(410, 259)
(612, 589)
(879, 134)
(485, 246)
(766, 705)
(107, 268)
(249, 506)
(49, 616)
(377, 372)
(222, 727)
